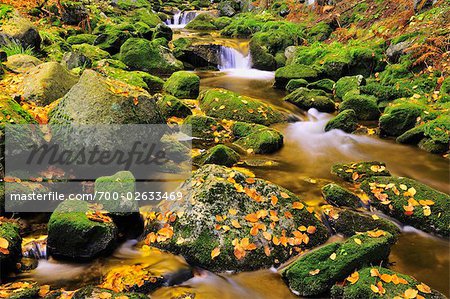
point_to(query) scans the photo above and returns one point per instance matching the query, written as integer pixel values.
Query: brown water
(303, 166)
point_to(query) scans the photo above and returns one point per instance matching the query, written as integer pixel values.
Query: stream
(302, 166)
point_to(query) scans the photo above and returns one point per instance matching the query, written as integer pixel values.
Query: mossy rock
(222, 103)
(346, 84)
(432, 146)
(140, 79)
(94, 53)
(81, 39)
(364, 106)
(19, 30)
(183, 85)
(73, 236)
(222, 22)
(11, 112)
(346, 121)
(340, 196)
(96, 292)
(371, 276)
(20, 290)
(400, 117)
(203, 21)
(319, 32)
(315, 272)
(359, 171)
(8, 260)
(306, 99)
(146, 16)
(296, 83)
(171, 106)
(294, 71)
(202, 127)
(141, 54)
(261, 58)
(256, 139)
(117, 64)
(349, 222)
(326, 85)
(219, 155)
(385, 93)
(113, 37)
(21, 63)
(412, 136)
(200, 229)
(419, 205)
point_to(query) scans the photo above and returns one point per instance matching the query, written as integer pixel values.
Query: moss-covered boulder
(399, 117)
(222, 103)
(346, 121)
(11, 246)
(326, 85)
(203, 21)
(411, 203)
(232, 221)
(349, 222)
(315, 272)
(386, 283)
(203, 127)
(18, 29)
(21, 63)
(113, 37)
(20, 290)
(46, 83)
(256, 139)
(340, 196)
(349, 83)
(149, 56)
(385, 93)
(146, 16)
(84, 38)
(94, 53)
(183, 85)
(171, 106)
(296, 83)
(219, 155)
(306, 99)
(365, 106)
(261, 58)
(152, 84)
(95, 100)
(359, 171)
(73, 235)
(96, 292)
(294, 71)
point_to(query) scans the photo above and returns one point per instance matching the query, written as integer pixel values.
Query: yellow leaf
(104, 295)
(374, 272)
(333, 256)
(374, 288)
(235, 223)
(410, 293)
(357, 241)
(353, 278)
(298, 205)
(4, 243)
(215, 252)
(424, 288)
(232, 211)
(314, 272)
(375, 217)
(284, 195)
(426, 211)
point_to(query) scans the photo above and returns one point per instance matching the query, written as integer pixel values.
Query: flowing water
(303, 166)
(181, 18)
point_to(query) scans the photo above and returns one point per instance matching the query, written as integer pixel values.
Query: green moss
(222, 103)
(412, 136)
(11, 112)
(263, 141)
(438, 222)
(184, 85)
(261, 58)
(114, 36)
(324, 84)
(92, 52)
(81, 39)
(399, 117)
(339, 196)
(203, 21)
(222, 22)
(10, 232)
(146, 16)
(349, 83)
(242, 129)
(319, 32)
(364, 106)
(349, 256)
(295, 83)
(346, 171)
(171, 106)
(294, 71)
(385, 93)
(219, 155)
(201, 126)
(246, 24)
(346, 121)
(306, 99)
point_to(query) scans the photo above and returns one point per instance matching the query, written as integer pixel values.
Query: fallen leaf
(215, 252)
(314, 272)
(333, 256)
(353, 278)
(357, 241)
(410, 293)
(424, 288)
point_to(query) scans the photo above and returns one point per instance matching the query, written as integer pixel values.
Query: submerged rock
(294, 71)
(315, 272)
(346, 121)
(11, 250)
(339, 196)
(219, 155)
(231, 221)
(388, 283)
(306, 99)
(46, 83)
(359, 171)
(411, 203)
(256, 139)
(183, 85)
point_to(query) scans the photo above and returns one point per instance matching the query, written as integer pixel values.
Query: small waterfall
(232, 59)
(181, 19)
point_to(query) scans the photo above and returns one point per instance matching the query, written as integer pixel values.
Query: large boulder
(315, 272)
(183, 85)
(17, 29)
(219, 155)
(349, 83)
(152, 84)
(197, 55)
(386, 283)
(21, 63)
(10, 246)
(294, 71)
(365, 106)
(231, 221)
(222, 103)
(256, 139)
(306, 99)
(144, 55)
(46, 83)
(411, 203)
(95, 100)
(203, 21)
(400, 117)
(359, 171)
(296, 83)
(75, 235)
(346, 121)
(94, 53)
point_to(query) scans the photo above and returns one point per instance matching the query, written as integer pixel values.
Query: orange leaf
(424, 288)
(251, 217)
(215, 252)
(235, 223)
(298, 205)
(284, 195)
(353, 278)
(311, 229)
(274, 200)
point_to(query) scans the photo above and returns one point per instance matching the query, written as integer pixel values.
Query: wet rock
(140, 79)
(184, 85)
(359, 171)
(81, 39)
(349, 83)
(73, 236)
(339, 196)
(400, 117)
(91, 101)
(10, 254)
(218, 215)
(163, 31)
(203, 21)
(346, 121)
(261, 58)
(396, 286)
(364, 106)
(20, 290)
(412, 136)
(219, 155)
(348, 222)
(197, 55)
(296, 83)
(228, 8)
(72, 60)
(433, 146)
(410, 202)
(94, 53)
(256, 139)
(326, 85)
(294, 71)
(315, 272)
(202, 127)
(96, 292)
(222, 103)
(46, 83)
(17, 29)
(171, 106)
(21, 63)
(306, 99)
(141, 54)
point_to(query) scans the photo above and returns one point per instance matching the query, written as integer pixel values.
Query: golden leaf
(314, 272)
(333, 256)
(4, 243)
(353, 278)
(298, 205)
(215, 252)
(357, 241)
(424, 288)
(410, 293)
(284, 195)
